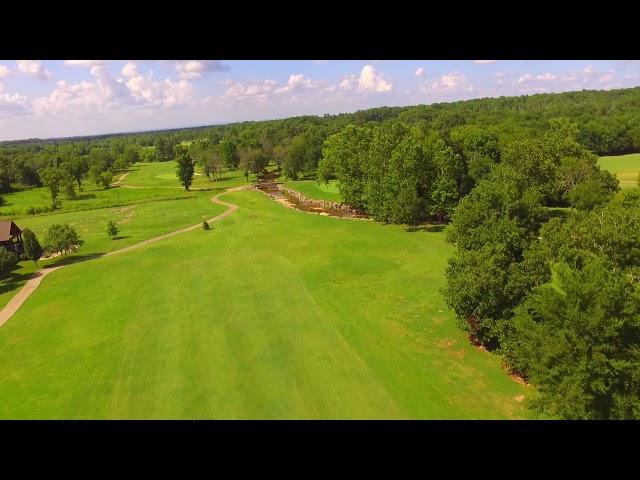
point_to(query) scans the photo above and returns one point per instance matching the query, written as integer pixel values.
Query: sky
(63, 98)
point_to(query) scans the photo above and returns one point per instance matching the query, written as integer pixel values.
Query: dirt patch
(129, 212)
(120, 179)
(519, 398)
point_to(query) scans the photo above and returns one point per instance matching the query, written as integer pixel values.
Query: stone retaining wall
(324, 204)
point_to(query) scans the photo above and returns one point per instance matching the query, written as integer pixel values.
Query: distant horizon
(48, 100)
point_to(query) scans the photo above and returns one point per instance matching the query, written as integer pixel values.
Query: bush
(8, 260)
(112, 229)
(205, 224)
(104, 179)
(70, 190)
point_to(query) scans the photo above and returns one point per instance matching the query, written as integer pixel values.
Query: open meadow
(626, 168)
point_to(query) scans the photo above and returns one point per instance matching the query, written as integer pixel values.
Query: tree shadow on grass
(60, 261)
(12, 281)
(120, 237)
(426, 228)
(85, 196)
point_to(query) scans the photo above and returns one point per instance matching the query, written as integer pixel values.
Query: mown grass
(272, 314)
(315, 190)
(17, 203)
(163, 175)
(626, 167)
(136, 223)
(158, 179)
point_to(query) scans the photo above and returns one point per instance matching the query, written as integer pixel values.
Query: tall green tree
(76, 168)
(254, 161)
(230, 157)
(184, 167)
(32, 248)
(408, 207)
(52, 178)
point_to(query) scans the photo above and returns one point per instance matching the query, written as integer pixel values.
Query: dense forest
(546, 271)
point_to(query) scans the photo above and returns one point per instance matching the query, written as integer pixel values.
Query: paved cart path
(14, 304)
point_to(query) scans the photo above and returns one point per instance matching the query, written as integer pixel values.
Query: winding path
(19, 298)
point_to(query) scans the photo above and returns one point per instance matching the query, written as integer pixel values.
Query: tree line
(555, 292)
(607, 124)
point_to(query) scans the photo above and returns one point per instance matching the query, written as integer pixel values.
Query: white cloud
(298, 83)
(4, 71)
(451, 80)
(83, 63)
(483, 62)
(129, 70)
(502, 75)
(546, 77)
(368, 81)
(525, 78)
(240, 91)
(585, 78)
(606, 77)
(109, 94)
(320, 62)
(451, 83)
(419, 72)
(33, 68)
(12, 104)
(167, 93)
(197, 68)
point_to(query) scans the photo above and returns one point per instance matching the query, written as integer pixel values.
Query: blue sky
(85, 97)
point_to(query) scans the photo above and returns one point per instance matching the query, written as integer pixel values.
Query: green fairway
(17, 203)
(272, 314)
(319, 191)
(626, 167)
(163, 175)
(136, 223)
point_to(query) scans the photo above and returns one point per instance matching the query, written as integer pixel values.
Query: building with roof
(11, 236)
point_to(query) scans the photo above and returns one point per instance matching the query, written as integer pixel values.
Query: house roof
(8, 229)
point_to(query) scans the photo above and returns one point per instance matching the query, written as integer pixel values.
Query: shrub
(112, 229)
(8, 260)
(205, 224)
(38, 210)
